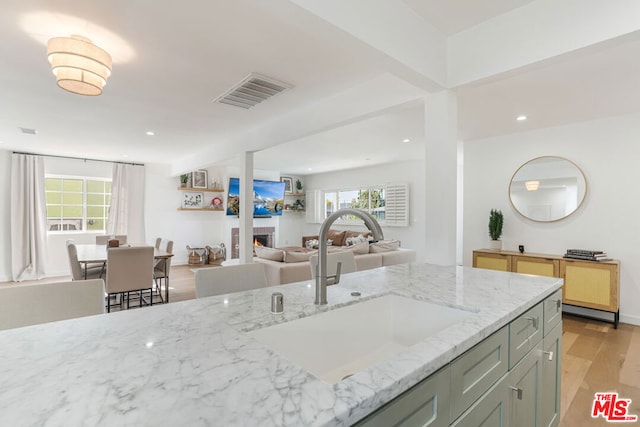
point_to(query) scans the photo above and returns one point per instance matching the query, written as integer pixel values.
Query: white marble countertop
(190, 363)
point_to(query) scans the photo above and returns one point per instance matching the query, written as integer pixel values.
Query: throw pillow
(350, 241)
(360, 248)
(269, 253)
(384, 246)
(291, 256)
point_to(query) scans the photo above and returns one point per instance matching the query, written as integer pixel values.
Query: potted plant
(184, 178)
(298, 186)
(496, 220)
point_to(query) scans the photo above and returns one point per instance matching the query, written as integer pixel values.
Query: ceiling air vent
(251, 91)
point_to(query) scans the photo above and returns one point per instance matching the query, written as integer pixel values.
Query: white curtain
(126, 214)
(28, 218)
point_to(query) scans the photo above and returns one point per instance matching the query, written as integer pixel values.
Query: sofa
(288, 265)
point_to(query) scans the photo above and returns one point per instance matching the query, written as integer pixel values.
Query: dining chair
(130, 269)
(162, 266)
(35, 303)
(232, 278)
(347, 259)
(95, 271)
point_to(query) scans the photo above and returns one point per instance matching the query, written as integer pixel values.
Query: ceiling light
(521, 118)
(406, 140)
(150, 133)
(532, 185)
(125, 155)
(79, 66)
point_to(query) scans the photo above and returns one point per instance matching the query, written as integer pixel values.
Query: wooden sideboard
(593, 285)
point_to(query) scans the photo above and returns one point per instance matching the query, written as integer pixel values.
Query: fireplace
(261, 235)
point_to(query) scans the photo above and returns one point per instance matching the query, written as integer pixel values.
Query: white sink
(341, 342)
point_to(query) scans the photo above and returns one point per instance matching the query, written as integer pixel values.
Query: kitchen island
(192, 363)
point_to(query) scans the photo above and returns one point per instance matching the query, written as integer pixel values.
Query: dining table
(89, 253)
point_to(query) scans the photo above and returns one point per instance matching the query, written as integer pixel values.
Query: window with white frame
(389, 204)
(77, 203)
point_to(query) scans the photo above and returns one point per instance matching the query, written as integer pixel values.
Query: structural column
(441, 166)
(245, 237)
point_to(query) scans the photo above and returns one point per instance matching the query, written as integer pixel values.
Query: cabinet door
(525, 385)
(551, 376)
(491, 410)
(535, 265)
(492, 261)
(425, 404)
(473, 373)
(590, 284)
(524, 333)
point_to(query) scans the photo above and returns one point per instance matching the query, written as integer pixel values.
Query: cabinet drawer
(425, 404)
(491, 410)
(473, 373)
(552, 311)
(551, 377)
(524, 334)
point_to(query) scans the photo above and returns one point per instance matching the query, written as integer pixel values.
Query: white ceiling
(182, 55)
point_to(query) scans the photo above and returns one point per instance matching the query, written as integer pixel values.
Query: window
(371, 199)
(77, 203)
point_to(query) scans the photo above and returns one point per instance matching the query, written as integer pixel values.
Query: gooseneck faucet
(321, 277)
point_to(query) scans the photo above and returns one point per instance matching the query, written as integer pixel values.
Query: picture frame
(199, 179)
(192, 200)
(288, 184)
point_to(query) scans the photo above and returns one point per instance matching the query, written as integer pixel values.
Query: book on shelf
(583, 252)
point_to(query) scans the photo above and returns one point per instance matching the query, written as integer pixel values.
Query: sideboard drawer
(473, 373)
(524, 334)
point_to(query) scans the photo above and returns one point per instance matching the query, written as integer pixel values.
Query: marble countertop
(191, 363)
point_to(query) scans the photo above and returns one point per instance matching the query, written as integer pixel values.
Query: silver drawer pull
(549, 355)
(533, 320)
(558, 304)
(518, 392)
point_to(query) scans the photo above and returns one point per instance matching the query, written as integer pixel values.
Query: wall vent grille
(251, 91)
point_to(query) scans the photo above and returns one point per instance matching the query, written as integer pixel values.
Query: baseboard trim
(630, 319)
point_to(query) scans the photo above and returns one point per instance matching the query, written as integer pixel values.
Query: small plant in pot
(298, 186)
(184, 178)
(496, 220)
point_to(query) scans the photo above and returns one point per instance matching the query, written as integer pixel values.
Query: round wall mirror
(547, 189)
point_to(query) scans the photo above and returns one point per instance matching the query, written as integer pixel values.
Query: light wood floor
(595, 357)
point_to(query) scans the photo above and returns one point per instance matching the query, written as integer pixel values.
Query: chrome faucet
(321, 277)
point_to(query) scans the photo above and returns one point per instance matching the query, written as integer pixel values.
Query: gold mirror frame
(547, 189)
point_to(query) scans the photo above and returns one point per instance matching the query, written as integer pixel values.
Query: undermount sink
(338, 343)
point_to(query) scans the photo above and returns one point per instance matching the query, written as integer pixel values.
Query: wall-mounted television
(268, 197)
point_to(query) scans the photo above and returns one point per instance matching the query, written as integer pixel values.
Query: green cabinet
(551, 376)
(425, 405)
(491, 410)
(525, 385)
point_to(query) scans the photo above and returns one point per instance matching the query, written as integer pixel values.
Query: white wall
(412, 237)
(607, 151)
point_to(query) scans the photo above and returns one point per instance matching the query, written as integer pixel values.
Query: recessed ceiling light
(150, 133)
(310, 169)
(406, 140)
(521, 118)
(125, 155)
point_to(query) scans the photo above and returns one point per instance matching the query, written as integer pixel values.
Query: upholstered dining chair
(162, 266)
(35, 303)
(130, 269)
(347, 259)
(231, 278)
(94, 271)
